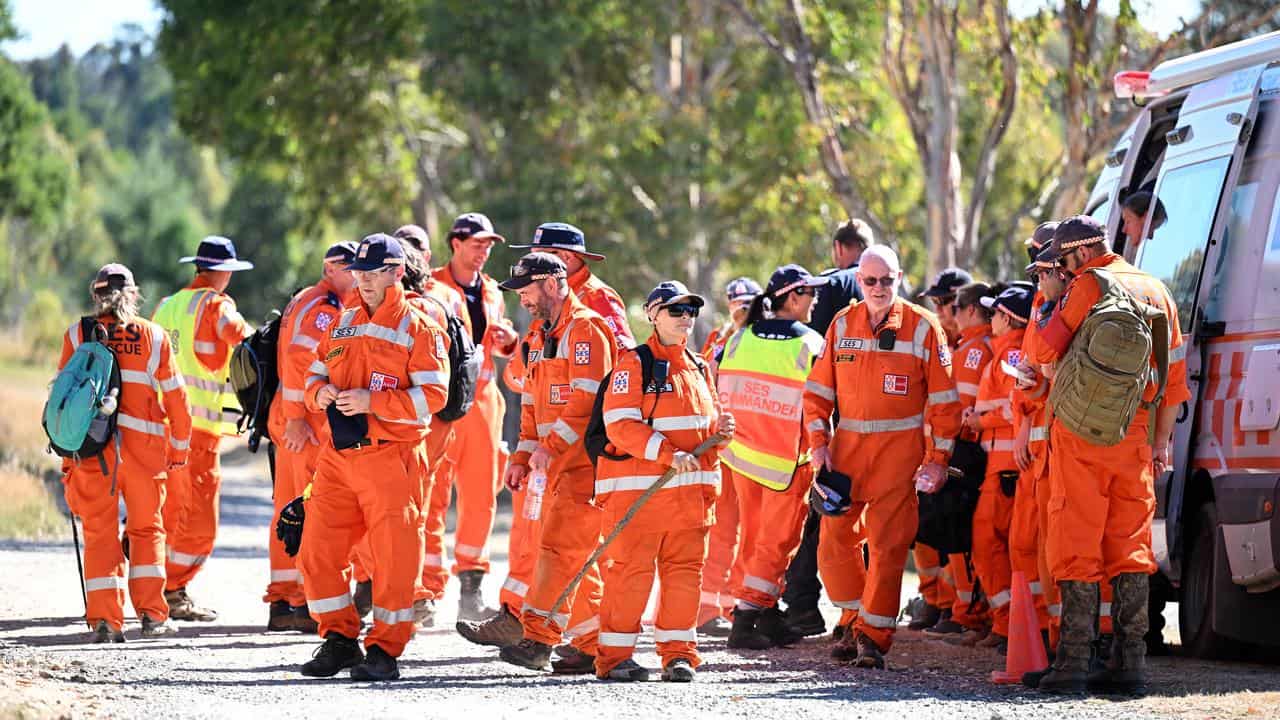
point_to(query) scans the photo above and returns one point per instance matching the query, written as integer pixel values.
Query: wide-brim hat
(560, 236)
(217, 253)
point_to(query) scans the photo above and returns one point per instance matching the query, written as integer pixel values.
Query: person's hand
(726, 425)
(297, 433)
(326, 395)
(930, 477)
(971, 419)
(684, 462)
(821, 457)
(503, 335)
(540, 459)
(1029, 377)
(1022, 447)
(353, 402)
(514, 477)
(1161, 458)
(1049, 370)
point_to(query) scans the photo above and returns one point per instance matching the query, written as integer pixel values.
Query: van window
(1102, 212)
(1235, 242)
(1175, 251)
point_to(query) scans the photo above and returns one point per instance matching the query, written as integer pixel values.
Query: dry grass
(29, 510)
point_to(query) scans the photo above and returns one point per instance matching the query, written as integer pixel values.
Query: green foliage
(42, 324)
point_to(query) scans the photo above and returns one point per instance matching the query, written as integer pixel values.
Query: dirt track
(232, 669)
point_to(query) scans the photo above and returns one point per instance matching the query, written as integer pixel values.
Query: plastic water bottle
(533, 498)
(109, 403)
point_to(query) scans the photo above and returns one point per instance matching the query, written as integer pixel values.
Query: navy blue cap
(789, 277)
(1077, 231)
(560, 236)
(1040, 239)
(473, 225)
(377, 251)
(672, 292)
(743, 288)
(948, 282)
(217, 253)
(341, 252)
(533, 267)
(831, 493)
(414, 235)
(113, 276)
(1014, 300)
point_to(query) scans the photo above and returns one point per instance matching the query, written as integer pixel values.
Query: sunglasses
(680, 310)
(805, 291)
(885, 282)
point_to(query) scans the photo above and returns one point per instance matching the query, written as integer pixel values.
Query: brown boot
(182, 607)
(1125, 673)
(501, 630)
(1070, 671)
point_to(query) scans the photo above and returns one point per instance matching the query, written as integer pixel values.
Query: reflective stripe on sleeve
(515, 587)
(586, 385)
(944, 444)
(285, 576)
(566, 433)
(419, 399)
(943, 396)
(613, 416)
(292, 395)
(527, 446)
(429, 377)
(318, 368)
(965, 388)
(172, 384)
(682, 422)
(305, 341)
(179, 445)
(820, 390)
(653, 447)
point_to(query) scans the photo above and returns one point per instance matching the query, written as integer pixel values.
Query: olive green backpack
(1100, 380)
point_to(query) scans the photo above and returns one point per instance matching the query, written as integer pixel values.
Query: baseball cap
(533, 267)
(113, 276)
(1040, 239)
(1077, 231)
(947, 282)
(1015, 300)
(560, 236)
(743, 288)
(791, 276)
(217, 253)
(342, 252)
(414, 235)
(377, 251)
(473, 225)
(672, 292)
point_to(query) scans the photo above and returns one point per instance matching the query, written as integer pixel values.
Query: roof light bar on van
(1198, 67)
(1132, 84)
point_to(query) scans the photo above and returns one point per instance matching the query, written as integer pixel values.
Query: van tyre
(1196, 609)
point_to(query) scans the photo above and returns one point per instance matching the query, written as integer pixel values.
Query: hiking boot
(377, 665)
(501, 630)
(846, 648)
(303, 622)
(967, 637)
(944, 625)
(337, 653)
(471, 605)
(773, 625)
(424, 613)
(103, 633)
(806, 623)
(628, 671)
(992, 640)
(1101, 651)
(715, 627)
(869, 655)
(1069, 674)
(1125, 673)
(744, 635)
(678, 670)
(182, 607)
(572, 661)
(527, 653)
(1032, 679)
(923, 615)
(157, 628)
(362, 598)
(280, 617)
(839, 632)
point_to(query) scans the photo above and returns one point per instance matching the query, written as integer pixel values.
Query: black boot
(572, 661)
(1125, 673)
(337, 653)
(1070, 670)
(923, 614)
(279, 616)
(527, 653)
(377, 665)
(744, 635)
(807, 622)
(471, 605)
(773, 625)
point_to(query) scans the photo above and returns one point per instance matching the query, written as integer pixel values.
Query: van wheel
(1195, 611)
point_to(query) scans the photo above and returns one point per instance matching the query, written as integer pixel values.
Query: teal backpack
(80, 416)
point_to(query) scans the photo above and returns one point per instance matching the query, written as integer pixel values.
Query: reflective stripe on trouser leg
(840, 564)
(961, 578)
(193, 540)
(435, 572)
(772, 523)
(291, 468)
(891, 520)
(522, 554)
(395, 502)
(680, 560)
(628, 572)
(928, 567)
(89, 497)
(1024, 543)
(571, 531)
(143, 499)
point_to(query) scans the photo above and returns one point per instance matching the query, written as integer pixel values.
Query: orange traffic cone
(1026, 647)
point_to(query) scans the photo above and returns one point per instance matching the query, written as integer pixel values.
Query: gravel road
(232, 669)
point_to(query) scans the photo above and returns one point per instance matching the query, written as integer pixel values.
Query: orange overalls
(1102, 499)
(566, 365)
(718, 576)
(304, 322)
(994, 513)
(887, 383)
(598, 296)
(670, 532)
(376, 487)
(473, 464)
(191, 515)
(1026, 549)
(151, 437)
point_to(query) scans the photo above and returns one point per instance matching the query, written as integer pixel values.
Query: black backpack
(255, 377)
(596, 437)
(465, 362)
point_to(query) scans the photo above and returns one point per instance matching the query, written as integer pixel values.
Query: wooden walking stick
(698, 452)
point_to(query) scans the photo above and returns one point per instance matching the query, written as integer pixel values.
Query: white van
(1207, 140)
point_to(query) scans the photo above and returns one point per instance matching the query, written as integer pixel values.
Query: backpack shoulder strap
(645, 353)
(92, 331)
(332, 298)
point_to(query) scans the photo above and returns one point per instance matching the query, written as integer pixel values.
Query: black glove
(289, 526)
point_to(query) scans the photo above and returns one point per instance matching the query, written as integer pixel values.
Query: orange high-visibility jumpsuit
(191, 513)
(884, 398)
(992, 518)
(1025, 546)
(150, 437)
(718, 577)
(670, 532)
(472, 465)
(399, 355)
(305, 320)
(562, 378)
(597, 295)
(1102, 499)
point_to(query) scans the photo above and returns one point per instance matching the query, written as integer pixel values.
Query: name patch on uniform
(380, 381)
(846, 357)
(560, 394)
(846, 343)
(621, 382)
(333, 353)
(344, 332)
(653, 388)
(973, 359)
(895, 384)
(323, 321)
(582, 353)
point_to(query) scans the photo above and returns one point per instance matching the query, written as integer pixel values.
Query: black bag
(946, 517)
(465, 362)
(255, 378)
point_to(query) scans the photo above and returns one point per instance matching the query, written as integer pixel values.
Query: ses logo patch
(582, 353)
(846, 343)
(621, 382)
(344, 332)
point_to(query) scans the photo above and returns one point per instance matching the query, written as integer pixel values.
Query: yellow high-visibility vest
(214, 408)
